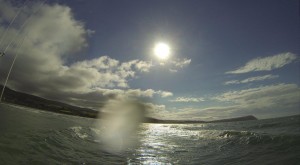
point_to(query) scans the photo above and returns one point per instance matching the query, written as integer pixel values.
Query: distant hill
(24, 99)
(244, 118)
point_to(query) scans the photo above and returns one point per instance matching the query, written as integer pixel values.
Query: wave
(253, 138)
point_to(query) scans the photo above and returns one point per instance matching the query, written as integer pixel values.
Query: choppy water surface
(36, 137)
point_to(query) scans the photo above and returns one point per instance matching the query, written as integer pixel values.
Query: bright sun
(162, 51)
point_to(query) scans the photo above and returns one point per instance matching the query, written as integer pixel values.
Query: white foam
(78, 132)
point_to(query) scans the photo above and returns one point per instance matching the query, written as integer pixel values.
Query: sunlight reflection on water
(154, 150)
(163, 143)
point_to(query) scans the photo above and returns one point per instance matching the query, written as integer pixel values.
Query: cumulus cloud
(188, 99)
(52, 35)
(252, 79)
(143, 66)
(43, 67)
(107, 72)
(266, 63)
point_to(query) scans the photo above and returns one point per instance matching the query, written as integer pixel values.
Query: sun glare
(162, 51)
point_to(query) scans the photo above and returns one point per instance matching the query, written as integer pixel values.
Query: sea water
(29, 136)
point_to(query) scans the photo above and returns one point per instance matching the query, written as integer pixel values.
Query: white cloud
(108, 72)
(262, 102)
(266, 63)
(43, 67)
(148, 93)
(165, 93)
(59, 33)
(181, 62)
(178, 64)
(143, 66)
(252, 79)
(132, 92)
(156, 110)
(145, 93)
(188, 99)
(265, 100)
(103, 62)
(232, 82)
(254, 95)
(52, 35)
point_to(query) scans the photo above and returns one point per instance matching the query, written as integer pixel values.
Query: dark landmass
(244, 118)
(27, 100)
(14, 97)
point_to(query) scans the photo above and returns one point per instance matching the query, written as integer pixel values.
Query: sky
(227, 58)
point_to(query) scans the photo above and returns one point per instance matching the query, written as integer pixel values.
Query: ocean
(29, 136)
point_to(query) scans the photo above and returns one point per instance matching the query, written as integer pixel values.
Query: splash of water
(119, 123)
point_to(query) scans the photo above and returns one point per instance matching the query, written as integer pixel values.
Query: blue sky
(228, 58)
